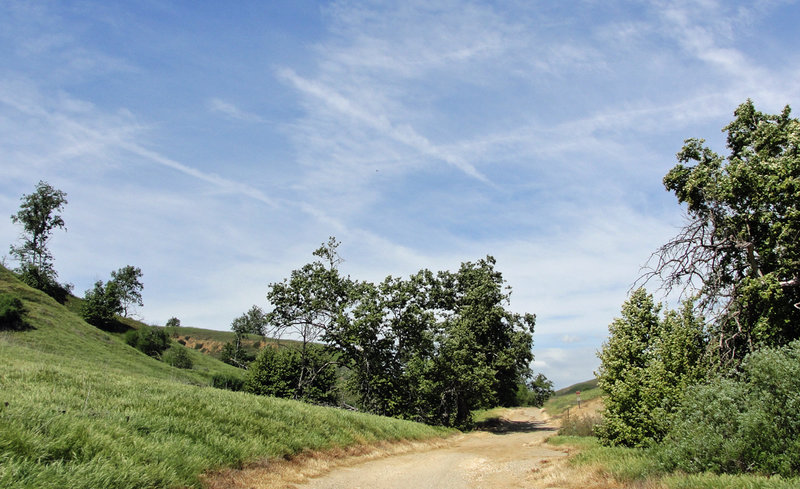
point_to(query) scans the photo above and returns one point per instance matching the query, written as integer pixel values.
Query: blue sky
(216, 144)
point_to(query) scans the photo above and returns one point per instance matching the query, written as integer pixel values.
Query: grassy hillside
(566, 397)
(80, 409)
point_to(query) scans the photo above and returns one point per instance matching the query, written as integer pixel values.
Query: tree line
(715, 386)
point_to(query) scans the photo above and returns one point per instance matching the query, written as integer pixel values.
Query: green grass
(566, 397)
(80, 409)
(637, 467)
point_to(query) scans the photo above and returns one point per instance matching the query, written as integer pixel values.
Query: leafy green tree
(740, 248)
(276, 370)
(431, 348)
(646, 365)
(254, 321)
(101, 304)
(173, 322)
(39, 217)
(308, 304)
(535, 392)
(129, 287)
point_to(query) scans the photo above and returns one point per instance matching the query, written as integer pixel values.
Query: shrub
(101, 304)
(747, 424)
(225, 381)
(11, 312)
(149, 340)
(178, 357)
(277, 372)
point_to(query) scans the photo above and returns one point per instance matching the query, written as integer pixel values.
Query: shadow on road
(501, 426)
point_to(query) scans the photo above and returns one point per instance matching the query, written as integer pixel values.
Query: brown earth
(512, 454)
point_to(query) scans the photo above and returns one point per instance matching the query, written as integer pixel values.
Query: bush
(747, 424)
(101, 304)
(11, 312)
(276, 372)
(148, 340)
(225, 381)
(579, 425)
(178, 357)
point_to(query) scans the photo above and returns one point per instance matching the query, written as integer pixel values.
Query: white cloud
(230, 110)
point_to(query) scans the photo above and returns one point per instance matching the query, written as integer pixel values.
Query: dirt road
(506, 457)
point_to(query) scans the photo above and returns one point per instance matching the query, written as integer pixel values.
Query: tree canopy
(740, 249)
(431, 348)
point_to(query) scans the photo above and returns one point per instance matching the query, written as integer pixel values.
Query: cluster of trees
(430, 348)
(714, 386)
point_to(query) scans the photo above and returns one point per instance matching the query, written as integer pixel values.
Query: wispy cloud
(232, 111)
(404, 133)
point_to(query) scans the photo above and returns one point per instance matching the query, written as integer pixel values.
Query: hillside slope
(80, 409)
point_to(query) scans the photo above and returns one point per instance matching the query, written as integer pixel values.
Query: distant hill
(81, 409)
(567, 397)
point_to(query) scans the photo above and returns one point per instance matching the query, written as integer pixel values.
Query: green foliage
(434, 348)
(38, 217)
(431, 348)
(178, 357)
(747, 424)
(233, 353)
(646, 365)
(173, 322)
(229, 382)
(535, 392)
(101, 304)
(149, 340)
(129, 287)
(280, 372)
(741, 241)
(632, 467)
(11, 312)
(254, 321)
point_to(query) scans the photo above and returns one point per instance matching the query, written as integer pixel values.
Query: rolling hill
(81, 409)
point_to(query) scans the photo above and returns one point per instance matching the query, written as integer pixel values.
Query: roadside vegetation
(708, 396)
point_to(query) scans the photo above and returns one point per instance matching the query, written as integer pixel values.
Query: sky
(215, 145)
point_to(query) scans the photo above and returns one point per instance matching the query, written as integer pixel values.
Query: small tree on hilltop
(39, 216)
(101, 304)
(129, 287)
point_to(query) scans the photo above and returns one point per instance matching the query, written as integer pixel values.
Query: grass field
(80, 409)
